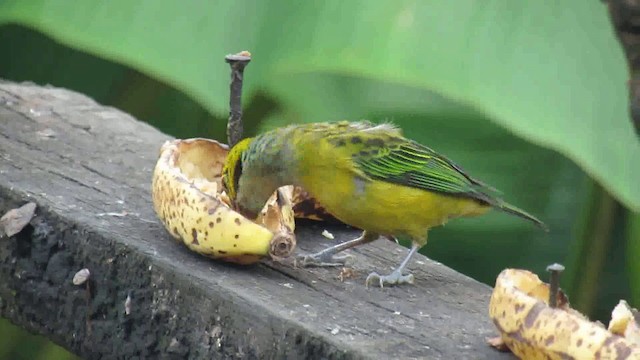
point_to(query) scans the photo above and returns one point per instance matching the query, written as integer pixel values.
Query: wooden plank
(88, 168)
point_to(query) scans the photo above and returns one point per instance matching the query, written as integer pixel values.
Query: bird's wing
(408, 163)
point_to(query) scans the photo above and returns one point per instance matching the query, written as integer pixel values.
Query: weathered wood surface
(88, 168)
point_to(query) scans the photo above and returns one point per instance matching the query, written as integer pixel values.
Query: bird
(366, 175)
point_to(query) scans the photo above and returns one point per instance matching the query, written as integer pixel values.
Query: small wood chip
(346, 273)
(46, 133)
(81, 276)
(15, 220)
(127, 305)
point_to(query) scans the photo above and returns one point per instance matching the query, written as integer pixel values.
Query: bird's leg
(327, 256)
(396, 276)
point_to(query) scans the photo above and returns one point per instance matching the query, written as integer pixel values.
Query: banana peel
(187, 198)
(307, 207)
(625, 321)
(533, 330)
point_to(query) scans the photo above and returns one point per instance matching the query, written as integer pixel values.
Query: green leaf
(552, 73)
(592, 246)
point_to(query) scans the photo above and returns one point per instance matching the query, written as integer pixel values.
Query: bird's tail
(510, 209)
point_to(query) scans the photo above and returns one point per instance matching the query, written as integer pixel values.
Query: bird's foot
(322, 259)
(395, 278)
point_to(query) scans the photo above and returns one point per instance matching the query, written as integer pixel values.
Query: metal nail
(554, 283)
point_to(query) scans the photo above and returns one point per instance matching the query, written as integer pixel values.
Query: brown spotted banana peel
(277, 215)
(186, 198)
(533, 330)
(625, 321)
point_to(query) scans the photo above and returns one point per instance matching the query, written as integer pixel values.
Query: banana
(625, 321)
(278, 216)
(186, 198)
(533, 330)
(621, 316)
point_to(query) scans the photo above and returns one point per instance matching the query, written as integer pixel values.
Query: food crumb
(328, 235)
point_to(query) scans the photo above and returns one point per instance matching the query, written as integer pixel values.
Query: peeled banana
(186, 198)
(533, 330)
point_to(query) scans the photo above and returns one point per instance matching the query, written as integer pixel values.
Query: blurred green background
(532, 98)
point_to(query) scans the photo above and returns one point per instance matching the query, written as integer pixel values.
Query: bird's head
(253, 171)
(244, 180)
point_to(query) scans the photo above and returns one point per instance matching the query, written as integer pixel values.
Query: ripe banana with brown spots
(533, 330)
(186, 198)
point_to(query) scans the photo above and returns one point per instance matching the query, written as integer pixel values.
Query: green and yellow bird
(368, 176)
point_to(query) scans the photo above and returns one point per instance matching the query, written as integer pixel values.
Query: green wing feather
(406, 162)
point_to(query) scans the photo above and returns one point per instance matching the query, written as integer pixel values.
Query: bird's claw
(395, 278)
(322, 260)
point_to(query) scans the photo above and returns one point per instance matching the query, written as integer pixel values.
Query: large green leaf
(552, 73)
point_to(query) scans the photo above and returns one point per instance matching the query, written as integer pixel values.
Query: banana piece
(278, 216)
(186, 198)
(632, 332)
(533, 330)
(620, 318)
(625, 321)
